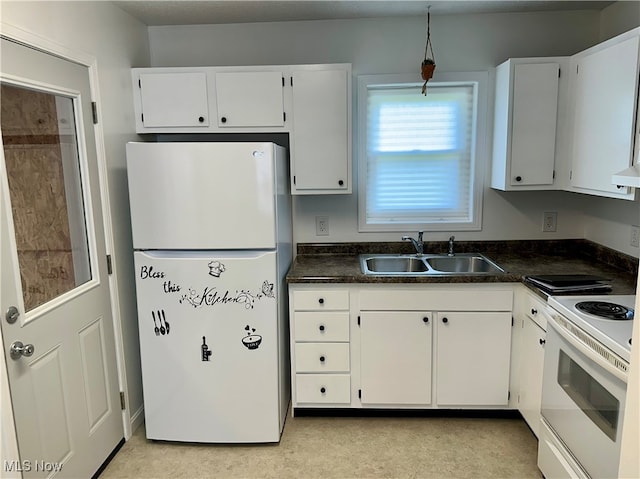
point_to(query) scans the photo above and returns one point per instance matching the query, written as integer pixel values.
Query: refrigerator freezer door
(209, 346)
(202, 195)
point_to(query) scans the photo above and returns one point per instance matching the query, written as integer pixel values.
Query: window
(418, 155)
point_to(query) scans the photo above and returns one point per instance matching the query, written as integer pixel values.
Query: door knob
(17, 350)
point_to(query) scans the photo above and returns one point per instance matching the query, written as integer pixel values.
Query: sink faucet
(451, 239)
(417, 244)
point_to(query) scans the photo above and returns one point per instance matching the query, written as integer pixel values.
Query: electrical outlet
(322, 226)
(549, 221)
(635, 236)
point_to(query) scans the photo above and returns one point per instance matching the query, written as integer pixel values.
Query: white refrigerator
(211, 226)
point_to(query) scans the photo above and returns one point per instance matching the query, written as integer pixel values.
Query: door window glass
(43, 170)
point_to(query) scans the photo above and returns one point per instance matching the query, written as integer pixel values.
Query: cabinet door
(533, 128)
(606, 89)
(395, 357)
(250, 99)
(473, 353)
(174, 99)
(532, 359)
(320, 141)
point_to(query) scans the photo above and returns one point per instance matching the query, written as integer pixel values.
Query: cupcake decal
(251, 340)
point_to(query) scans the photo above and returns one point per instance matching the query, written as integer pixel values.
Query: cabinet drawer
(317, 300)
(322, 326)
(323, 388)
(322, 357)
(536, 310)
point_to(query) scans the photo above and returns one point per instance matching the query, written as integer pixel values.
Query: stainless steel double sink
(428, 264)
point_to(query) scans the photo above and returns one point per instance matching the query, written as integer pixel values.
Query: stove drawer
(554, 460)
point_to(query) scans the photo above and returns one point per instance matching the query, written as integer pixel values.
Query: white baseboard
(137, 419)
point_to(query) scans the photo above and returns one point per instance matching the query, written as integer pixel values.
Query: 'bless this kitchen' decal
(209, 295)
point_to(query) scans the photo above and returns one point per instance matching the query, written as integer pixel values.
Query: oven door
(583, 400)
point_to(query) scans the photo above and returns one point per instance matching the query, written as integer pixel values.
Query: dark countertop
(339, 262)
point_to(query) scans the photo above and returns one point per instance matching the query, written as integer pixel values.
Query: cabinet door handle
(201, 119)
(534, 311)
(425, 319)
(445, 320)
(340, 182)
(518, 178)
(542, 341)
(223, 119)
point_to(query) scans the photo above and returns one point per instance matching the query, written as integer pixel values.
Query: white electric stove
(584, 385)
(607, 318)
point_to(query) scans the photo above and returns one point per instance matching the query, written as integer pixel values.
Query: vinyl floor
(347, 447)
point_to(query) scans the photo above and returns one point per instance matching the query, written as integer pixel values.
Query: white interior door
(54, 293)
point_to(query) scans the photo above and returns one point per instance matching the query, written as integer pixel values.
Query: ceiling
(192, 12)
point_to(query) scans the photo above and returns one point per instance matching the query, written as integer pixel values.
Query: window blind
(420, 154)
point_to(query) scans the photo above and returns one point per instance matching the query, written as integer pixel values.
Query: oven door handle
(576, 342)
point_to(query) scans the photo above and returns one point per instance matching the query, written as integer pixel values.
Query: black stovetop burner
(604, 309)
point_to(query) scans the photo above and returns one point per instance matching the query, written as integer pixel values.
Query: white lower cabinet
(320, 347)
(322, 357)
(473, 352)
(323, 389)
(532, 321)
(401, 346)
(395, 357)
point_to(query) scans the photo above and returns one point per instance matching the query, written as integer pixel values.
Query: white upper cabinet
(246, 99)
(310, 103)
(166, 100)
(526, 113)
(321, 140)
(575, 132)
(604, 83)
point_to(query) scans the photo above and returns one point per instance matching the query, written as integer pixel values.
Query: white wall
(619, 17)
(396, 45)
(118, 42)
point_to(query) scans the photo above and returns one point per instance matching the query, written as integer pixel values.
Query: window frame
(479, 157)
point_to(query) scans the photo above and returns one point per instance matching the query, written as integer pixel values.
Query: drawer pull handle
(321, 328)
(534, 311)
(321, 301)
(323, 390)
(322, 359)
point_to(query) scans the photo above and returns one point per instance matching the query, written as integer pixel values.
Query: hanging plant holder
(429, 63)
